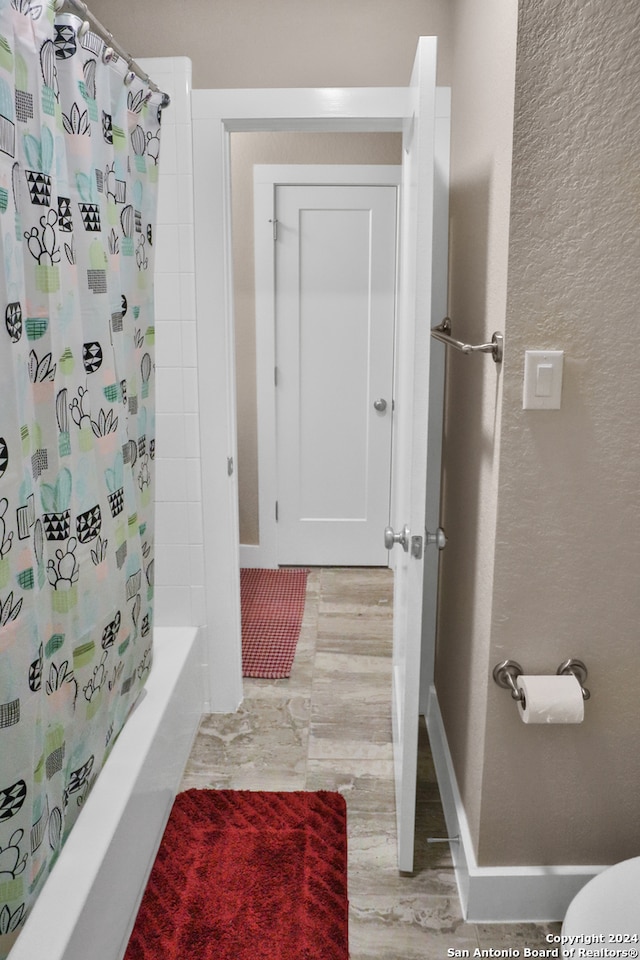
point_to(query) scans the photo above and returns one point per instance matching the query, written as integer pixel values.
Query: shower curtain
(79, 145)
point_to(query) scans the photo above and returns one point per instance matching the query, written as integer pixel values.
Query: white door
(335, 286)
(415, 584)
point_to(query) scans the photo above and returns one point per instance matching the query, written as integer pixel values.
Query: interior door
(335, 286)
(415, 585)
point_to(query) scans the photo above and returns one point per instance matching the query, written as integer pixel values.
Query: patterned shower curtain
(79, 145)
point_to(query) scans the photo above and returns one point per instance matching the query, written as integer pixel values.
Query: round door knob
(439, 538)
(391, 538)
(380, 405)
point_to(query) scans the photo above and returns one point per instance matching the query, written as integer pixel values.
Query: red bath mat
(272, 607)
(248, 875)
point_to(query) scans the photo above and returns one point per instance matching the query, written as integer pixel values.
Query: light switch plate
(542, 389)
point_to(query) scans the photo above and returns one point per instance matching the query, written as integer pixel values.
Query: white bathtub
(89, 903)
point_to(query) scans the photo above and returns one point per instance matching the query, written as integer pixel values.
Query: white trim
(216, 387)
(266, 177)
(251, 556)
(356, 109)
(437, 364)
(525, 894)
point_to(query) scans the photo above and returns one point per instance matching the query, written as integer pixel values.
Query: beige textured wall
(282, 43)
(545, 560)
(567, 555)
(248, 149)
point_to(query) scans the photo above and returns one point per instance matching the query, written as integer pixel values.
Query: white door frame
(216, 114)
(266, 178)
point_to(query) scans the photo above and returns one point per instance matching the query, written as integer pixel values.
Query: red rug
(248, 875)
(272, 606)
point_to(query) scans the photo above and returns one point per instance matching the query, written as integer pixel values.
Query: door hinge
(274, 224)
(276, 511)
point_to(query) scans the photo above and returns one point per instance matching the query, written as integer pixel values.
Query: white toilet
(609, 906)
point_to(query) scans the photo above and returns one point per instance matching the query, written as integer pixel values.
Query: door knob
(390, 537)
(380, 405)
(438, 538)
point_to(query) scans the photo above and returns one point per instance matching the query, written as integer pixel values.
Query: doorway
(324, 431)
(217, 116)
(295, 150)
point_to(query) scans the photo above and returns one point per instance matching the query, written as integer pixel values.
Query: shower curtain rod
(80, 7)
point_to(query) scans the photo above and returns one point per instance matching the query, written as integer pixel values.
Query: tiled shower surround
(179, 566)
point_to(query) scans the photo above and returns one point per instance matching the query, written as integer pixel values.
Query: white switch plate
(542, 389)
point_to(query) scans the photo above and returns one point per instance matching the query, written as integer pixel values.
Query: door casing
(267, 177)
(216, 114)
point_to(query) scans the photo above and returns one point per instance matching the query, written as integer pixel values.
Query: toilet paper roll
(550, 699)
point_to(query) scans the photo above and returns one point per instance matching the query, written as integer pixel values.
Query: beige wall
(483, 73)
(567, 573)
(543, 558)
(282, 43)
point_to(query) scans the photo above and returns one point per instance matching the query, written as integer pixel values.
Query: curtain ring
(108, 54)
(84, 28)
(129, 78)
(58, 5)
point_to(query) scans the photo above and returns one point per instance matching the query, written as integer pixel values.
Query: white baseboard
(253, 556)
(522, 894)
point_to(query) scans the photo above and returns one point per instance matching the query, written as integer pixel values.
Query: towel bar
(443, 333)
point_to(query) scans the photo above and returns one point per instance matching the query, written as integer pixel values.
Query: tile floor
(329, 727)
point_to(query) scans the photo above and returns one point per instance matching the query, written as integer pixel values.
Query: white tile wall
(179, 564)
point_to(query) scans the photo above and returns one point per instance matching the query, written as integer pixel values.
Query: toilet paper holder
(507, 672)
